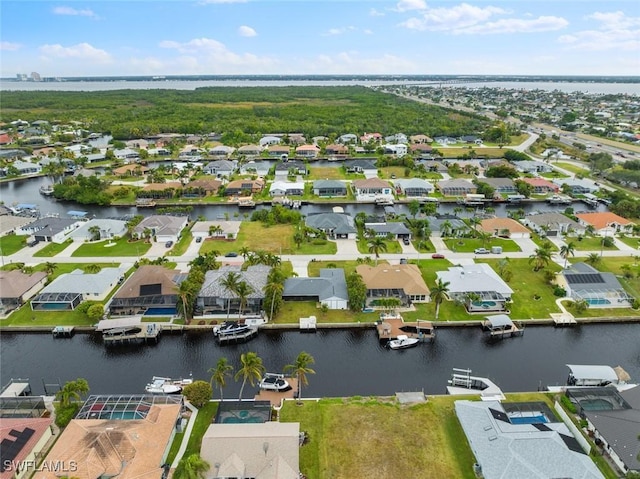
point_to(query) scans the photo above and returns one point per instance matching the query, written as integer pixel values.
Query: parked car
(231, 254)
(481, 251)
(437, 256)
(169, 244)
(199, 239)
(406, 241)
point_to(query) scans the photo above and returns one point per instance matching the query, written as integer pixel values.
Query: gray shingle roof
(395, 228)
(255, 276)
(340, 223)
(80, 282)
(330, 284)
(329, 184)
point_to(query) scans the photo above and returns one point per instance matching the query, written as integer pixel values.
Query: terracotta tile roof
(540, 182)
(492, 224)
(162, 186)
(401, 276)
(14, 284)
(602, 220)
(370, 183)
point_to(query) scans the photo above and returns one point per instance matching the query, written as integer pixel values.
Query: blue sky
(539, 37)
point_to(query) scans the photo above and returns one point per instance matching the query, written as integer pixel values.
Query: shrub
(559, 292)
(198, 393)
(607, 242)
(65, 414)
(568, 405)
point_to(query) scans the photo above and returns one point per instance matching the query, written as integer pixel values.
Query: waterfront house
(26, 167)
(249, 151)
(445, 225)
(137, 143)
(99, 229)
(533, 166)
(541, 186)
(397, 149)
(500, 185)
(131, 169)
(269, 450)
(505, 446)
(279, 151)
(68, 290)
(395, 230)
(399, 138)
(244, 187)
(400, 281)
(49, 229)
(364, 166)
(24, 439)
(308, 151)
(456, 187)
(371, 190)
(10, 223)
(601, 290)
(164, 191)
(420, 139)
(347, 138)
(504, 227)
(329, 188)
(126, 154)
(329, 289)
(420, 149)
(553, 224)
(216, 229)
(151, 289)
(121, 436)
(202, 187)
(577, 186)
(286, 188)
(258, 168)
(478, 286)
(221, 151)
(220, 168)
(16, 288)
(605, 223)
(334, 225)
(162, 228)
(214, 298)
(413, 187)
(268, 140)
(336, 149)
(295, 167)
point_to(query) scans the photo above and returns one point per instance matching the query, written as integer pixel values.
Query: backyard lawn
(52, 249)
(591, 243)
(614, 265)
(393, 246)
(326, 173)
(292, 311)
(205, 417)
(571, 167)
(633, 241)
(11, 244)
(108, 248)
(468, 245)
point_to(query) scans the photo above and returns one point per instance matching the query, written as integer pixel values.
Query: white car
(481, 251)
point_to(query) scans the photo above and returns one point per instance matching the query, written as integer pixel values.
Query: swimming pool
(534, 419)
(597, 301)
(595, 404)
(484, 304)
(160, 312)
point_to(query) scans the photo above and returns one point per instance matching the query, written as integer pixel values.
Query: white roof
(116, 323)
(581, 371)
(499, 320)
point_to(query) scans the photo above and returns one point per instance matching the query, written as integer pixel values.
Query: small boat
(229, 328)
(589, 376)
(403, 342)
(463, 383)
(46, 190)
(160, 385)
(559, 200)
(274, 382)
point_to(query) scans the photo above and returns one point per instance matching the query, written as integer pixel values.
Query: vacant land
(468, 245)
(115, 248)
(11, 244)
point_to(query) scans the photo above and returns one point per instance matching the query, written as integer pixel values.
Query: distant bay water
(598, 88)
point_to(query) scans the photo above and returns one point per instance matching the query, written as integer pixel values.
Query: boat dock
(276, 397)
(149, 331)
(238, 337)
(500, 326)
(308, 325)
(563, 319)
(63, 331)
(391, 325)
(16, 387)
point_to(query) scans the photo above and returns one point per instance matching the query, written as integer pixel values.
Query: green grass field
(119, 247)
(52, 249)
(468, 245)
(393, 246)
(11, 244)
(591, 243)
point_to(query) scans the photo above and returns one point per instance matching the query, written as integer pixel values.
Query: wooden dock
(390, 326)
(63, 331)
(149, 331)
(237, 338)
(563, 319)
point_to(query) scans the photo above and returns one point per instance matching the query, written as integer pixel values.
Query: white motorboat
(274, 382)
(229, 328)
(403, 342)
(160, 385)
(463, 383)
(587, 376)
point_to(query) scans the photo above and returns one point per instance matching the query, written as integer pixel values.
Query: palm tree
(243, 290)
(475, 221)
(540, 258)
(186, 292)
(72, 391)
(566, 250)
(244, 252)
(439, 293)
(376, 246)
(274, 287)
(220, 373)
(484, 237)
(301, 368)
(192, 467)
(251, 370)
(446, 228)
(92, 268)
(49, 267)
(230, 283)
(95, 232)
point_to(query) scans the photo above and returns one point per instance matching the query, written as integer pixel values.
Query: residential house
(362, 165)
(334, 225)
(279, 151)
(541, 186)
(308, 151)
(216, 229)
(269, 450)
(258, 168)
(244, 187)
(420, 139)
(553, 224)
(5, 139)
(605, 223)
(471, 139)
(399, 149)
(221, 151)
(132, 169)
(26, 167)
(149, 289)
(399, 281)
(533, 166)
(126, 154)
(329, 188)
(336, 149)
(504, 227)
(420, 148)
(220, 168)
(202, 187)
(24, 441)
(267, 141)
(446, 225)
(99, 229)
(9, 223)
(214, 298)
(16, 288)
(371, 190)
(159, 152)
(456, 187)
(116, 436)
(286, 188)
(68, 290)
(329, 289)
(49, 229)
(577, 186)
(397, 138)
(478, 286)
(139, 143)
(505, 447)
(413, 187)
(295, 167)
(367, 137)
(166, 191)
(500, 185)
(395, 229)
(601, 290)
(347, 138)
(162, 228)
(249, 150)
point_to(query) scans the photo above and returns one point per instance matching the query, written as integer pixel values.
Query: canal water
(348, 362)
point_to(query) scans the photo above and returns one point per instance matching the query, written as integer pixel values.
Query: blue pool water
(160, 312)
(597, 301)
(538, 419)
(55, 306)
(485, 304)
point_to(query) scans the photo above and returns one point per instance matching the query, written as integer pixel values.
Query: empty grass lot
(52, 249)
(571, 167)
(11, 244)
(119, 247)
(468, 245)
(591, 243)
(326, 173)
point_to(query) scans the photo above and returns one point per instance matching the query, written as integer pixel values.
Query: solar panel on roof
(150, 289)
(541, 427)
(571, 443)
(499, 415)
(10, 449)
(584, 278)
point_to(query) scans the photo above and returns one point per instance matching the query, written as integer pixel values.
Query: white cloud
(615, 31)
(454, 18)
(81, 51)
(367, 31)
(9, 47)
(74, 12)
(515, 25)
(375, 13)
(339, 31)
(245, 31)
(407, 5)
(349, 62)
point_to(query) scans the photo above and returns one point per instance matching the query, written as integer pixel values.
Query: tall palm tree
(187, 293)
(220, 373)
(72, 391)
(376, 246)
(251, 370)
(243, 290)
(475, 221)
(95, 232)
(49, 267)
(301, 369)
(439, 293)
(274, 288)
(446, 228)
(230, 283)
(566, 250)
(540, 258)
(192, 467)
